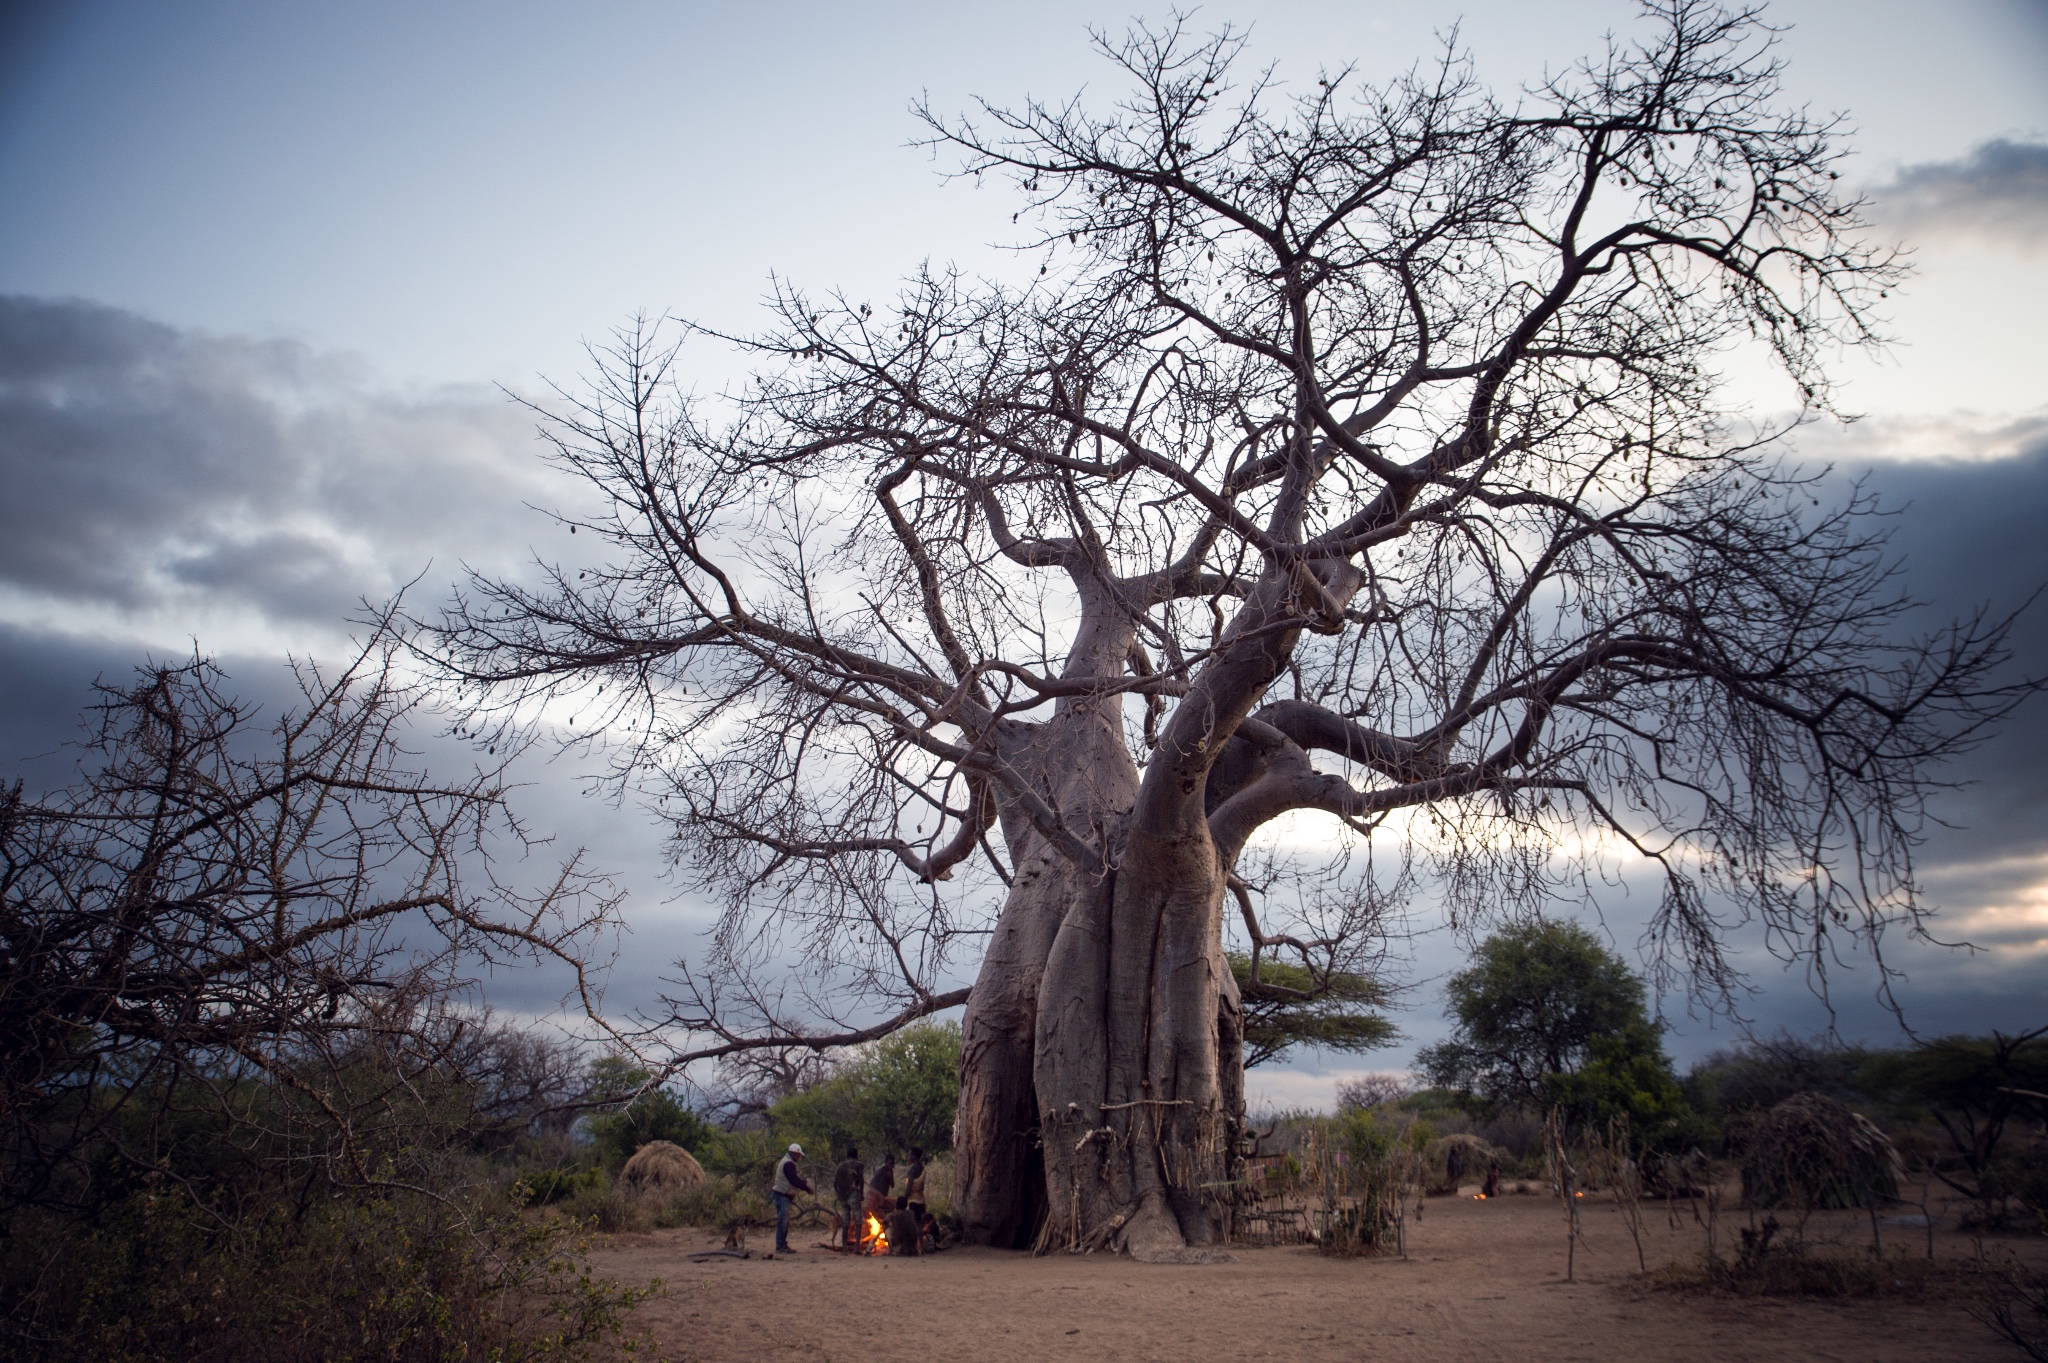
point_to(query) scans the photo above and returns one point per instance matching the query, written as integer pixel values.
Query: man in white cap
(788, 1183)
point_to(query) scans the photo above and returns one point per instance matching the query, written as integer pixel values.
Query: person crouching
(905, 1235)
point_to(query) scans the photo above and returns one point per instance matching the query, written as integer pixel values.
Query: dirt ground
(1483, 1281)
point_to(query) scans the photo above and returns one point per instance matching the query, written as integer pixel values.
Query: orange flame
(1479, 1197)
(878, 1242)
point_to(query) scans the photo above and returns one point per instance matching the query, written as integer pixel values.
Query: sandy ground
(1483, 1281)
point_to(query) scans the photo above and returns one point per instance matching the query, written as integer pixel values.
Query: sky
(271, 274)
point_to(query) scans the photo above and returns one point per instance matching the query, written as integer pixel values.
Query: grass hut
(1473, 1156)
(660, 1169)
(1809, 1152)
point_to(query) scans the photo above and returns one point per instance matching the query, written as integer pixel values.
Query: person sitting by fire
(905, 1235)
(847, 1182)
(1492, 1188)
(882, 1187)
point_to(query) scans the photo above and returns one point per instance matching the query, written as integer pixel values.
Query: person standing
(847, 1182)
(882, 1187)
(789, 1181)
(913, 1183)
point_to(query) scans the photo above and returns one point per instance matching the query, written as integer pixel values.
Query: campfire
(873, 1239)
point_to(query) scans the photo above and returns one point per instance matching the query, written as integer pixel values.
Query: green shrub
(604, 1208)
(892, 1094)
(545, 1187)
(718, 1201)
(745, 1155)
(654, 1115)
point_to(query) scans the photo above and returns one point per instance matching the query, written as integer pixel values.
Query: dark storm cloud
(149, 467)
(1999, 190)
(151, 472)
(1970, 536)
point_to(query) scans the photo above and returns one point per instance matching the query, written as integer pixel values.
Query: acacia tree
(267, 920)
(1533, 1006)
(1356, 454)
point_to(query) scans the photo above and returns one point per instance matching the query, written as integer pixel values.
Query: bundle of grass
(660, 1169)
(1809, 1152)
(1443, 1171)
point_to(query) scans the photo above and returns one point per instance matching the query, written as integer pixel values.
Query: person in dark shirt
(789, 1181)
(913, 1183)
(881, 1187)
(848, 1181)
(905, 1234)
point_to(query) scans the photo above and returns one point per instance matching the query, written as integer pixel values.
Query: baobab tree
(1358, 458)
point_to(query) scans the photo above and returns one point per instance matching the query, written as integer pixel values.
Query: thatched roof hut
(1474, 1155)
(660, 1169)
(1810, 1152)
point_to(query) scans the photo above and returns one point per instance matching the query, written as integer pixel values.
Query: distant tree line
(1547, 1019)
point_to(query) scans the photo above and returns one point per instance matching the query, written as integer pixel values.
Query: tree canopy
(1358, 454)
(1547, 1016)
(889, 1096)
(1288, 1005)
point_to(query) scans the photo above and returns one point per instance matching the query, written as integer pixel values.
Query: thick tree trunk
(1139, 1097)
(998, 1191)
(1079, 762)
(1135, 1050)
(1140, 1062)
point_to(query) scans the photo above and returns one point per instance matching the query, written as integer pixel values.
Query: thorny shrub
(392, 1278)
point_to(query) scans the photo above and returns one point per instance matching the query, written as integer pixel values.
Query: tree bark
(1139, 1056)
(1080, 764)
(1131, 1060)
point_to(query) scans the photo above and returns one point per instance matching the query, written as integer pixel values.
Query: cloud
(1998, 192)
(157, 477)
(153, 473)
(1925, 438)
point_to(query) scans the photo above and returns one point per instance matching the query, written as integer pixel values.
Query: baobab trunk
(1079, 762)
(998, 1184)
(1140, 1063)
(1134, 1045)
(1138, 1071)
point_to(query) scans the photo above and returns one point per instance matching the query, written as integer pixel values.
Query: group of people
(907, 1223)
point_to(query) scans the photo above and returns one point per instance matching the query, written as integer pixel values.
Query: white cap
(795, 1149)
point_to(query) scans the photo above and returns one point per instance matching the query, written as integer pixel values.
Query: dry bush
(718, 1201)
(1768, 1265)
(1361, 1174)
(245, 1109)
(389, 1278)
(2013, 1300)
(1810, 1152)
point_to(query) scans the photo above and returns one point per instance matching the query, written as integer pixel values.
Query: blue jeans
(782, 1204)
